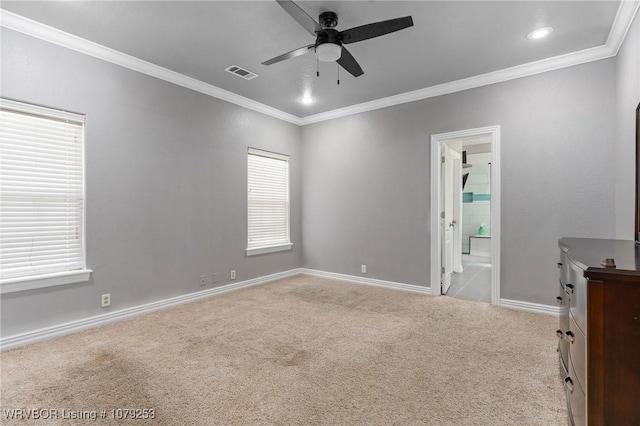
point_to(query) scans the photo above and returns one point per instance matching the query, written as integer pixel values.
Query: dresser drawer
(563, 343)
(564, 268)
(562, 300)
(564, 372)
(577, 402)
(576, 289)
(577, 356)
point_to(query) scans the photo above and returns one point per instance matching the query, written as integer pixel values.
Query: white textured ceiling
(449, 41)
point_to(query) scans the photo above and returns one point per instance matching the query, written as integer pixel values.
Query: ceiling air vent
(241, 72)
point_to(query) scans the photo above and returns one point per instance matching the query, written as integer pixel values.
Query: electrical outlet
(363, 269)
(203, 280)
(106, 300)
(233, 274)
(214, 277)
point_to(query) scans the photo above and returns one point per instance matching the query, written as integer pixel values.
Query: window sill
(48, 280)
(270, 249)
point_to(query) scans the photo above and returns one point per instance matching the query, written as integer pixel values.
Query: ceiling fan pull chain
(317, 66)
(338, 66)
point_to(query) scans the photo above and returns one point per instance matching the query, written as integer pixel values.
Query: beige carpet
(303, 350)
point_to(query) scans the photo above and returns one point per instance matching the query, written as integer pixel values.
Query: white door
(447, 216)
(457, 211)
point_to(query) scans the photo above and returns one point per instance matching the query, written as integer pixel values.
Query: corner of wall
(627, 69)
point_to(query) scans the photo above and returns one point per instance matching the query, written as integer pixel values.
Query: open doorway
(465, 214)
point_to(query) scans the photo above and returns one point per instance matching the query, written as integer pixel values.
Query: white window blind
(41, 191)
(268, 201)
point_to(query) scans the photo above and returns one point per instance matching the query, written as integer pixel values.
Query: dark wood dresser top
(588, 253)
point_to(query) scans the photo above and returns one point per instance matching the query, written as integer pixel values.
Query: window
(268, 202)
(41, 197)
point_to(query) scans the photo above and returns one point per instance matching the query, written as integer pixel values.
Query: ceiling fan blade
(349, 63)
(307, 22)
(289, 55)
(376, 29)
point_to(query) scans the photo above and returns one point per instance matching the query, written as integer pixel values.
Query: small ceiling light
(329, 52)
(539, 33)
(306, 100)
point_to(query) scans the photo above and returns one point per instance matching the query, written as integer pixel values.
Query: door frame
(436, 205)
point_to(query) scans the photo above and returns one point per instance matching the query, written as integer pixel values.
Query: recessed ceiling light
(306, 99)
(539, 33)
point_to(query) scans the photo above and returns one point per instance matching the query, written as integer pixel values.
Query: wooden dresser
(599, 330)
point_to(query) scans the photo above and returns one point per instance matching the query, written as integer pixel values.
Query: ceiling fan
(329, 44)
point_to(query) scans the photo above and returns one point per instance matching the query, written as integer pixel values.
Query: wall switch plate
(105, 300)
(233, 274)
(214, 277)
(363, 269)
(203, 280)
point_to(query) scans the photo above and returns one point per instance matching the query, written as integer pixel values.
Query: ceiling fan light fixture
(539, 33)
(329, 52)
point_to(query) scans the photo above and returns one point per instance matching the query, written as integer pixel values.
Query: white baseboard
(368, 281)
(535, 308)
(98, 320)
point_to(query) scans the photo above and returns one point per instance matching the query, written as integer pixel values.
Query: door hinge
(443, 159)
(442, 270)
(442, 215)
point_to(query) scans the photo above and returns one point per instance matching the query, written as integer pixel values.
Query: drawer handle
(559, 334)
(559, 265)
(569, 288)
(559, 300)
(568, 383)
(570, 336)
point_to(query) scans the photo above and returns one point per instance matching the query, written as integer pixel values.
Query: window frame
(252, 251)
(29, 282)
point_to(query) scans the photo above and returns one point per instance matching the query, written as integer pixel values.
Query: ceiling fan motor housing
(329, 41)
(328, 36)
(328, 19)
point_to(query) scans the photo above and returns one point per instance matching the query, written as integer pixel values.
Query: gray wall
(627, 99)
(166, 183)
(366, 178)
(166, 178)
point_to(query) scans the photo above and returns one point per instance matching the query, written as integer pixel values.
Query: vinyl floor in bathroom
(474, 283)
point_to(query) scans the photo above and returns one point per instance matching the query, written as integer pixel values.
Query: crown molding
(52, 35)
(532, 68)
(622, 23)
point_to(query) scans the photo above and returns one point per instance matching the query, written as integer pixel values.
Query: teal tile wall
(470, 197)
